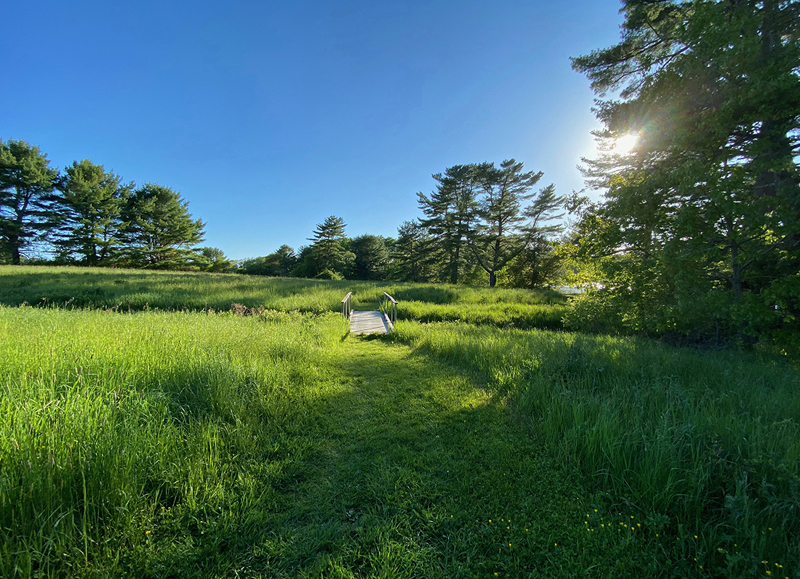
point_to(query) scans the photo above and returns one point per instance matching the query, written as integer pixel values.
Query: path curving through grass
(422, 474)
(197, 445)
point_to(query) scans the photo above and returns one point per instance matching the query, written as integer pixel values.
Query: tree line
(89, 216)
(481, 223)
(697, 236)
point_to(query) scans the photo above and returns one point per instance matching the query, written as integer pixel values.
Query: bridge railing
(389, 307)
(347, 305)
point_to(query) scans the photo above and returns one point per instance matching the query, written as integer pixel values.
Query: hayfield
(148, 431)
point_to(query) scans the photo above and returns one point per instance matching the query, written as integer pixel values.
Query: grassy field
(703, 446)
(131, 290)
(192, 443)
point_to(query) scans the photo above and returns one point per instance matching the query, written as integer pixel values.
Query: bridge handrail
(388, 306)
(347, 305)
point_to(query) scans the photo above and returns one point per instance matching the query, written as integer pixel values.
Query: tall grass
(110, 424)
(706, 443)
(506, 315)
(136, 290)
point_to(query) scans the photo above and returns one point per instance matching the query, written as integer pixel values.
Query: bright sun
(625, 144)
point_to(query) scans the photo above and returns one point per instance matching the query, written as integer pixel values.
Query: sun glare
(625, 144)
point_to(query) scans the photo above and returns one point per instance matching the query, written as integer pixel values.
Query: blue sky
(269, 116)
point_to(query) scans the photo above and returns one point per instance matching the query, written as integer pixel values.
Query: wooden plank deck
(368, 323)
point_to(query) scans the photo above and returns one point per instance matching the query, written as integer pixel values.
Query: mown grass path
(421, 474)
(195, 445)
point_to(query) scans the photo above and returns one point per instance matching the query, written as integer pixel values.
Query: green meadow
(147, 430)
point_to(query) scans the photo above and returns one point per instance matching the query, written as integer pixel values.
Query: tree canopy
(27, 183)
(158, 229)
(88, 222)
(703, 215)
(328, 254)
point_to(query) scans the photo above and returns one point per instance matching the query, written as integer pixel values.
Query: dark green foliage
(328, 252)
(414, 254)
(216, 260)
(538, 264)
(254, 266)
(88, 222)
(280, 263)
(450, 216)
(478, 220)
(27, 183)
(706, 210)
(159, 231)
(509, 228)
(371, 257)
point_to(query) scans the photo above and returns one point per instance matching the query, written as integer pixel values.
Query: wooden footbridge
(371, 322)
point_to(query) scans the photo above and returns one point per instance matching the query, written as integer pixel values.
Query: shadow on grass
(411, 471)
(431, 294)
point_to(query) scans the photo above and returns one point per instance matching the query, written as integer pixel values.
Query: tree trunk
(492, 279)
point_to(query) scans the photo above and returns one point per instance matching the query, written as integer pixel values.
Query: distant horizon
(268, 119)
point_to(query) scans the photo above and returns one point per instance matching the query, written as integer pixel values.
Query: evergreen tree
(284, 261)
(89, 219)
(414, 255)
(497, 237)
(538, 263)
(27, 185)
(328, 254)
(158, 230)
(371, 257)
(705, 212)
(450, 215)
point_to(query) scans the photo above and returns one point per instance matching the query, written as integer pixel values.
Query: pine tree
(538, 263)
(498, 238)
(158, 230)
(89, 219)
(371, 257)
(450, 215)
(708, 202)
(328, 254)
(27, 198)
(414, 255)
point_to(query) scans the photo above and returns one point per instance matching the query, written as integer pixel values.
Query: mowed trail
(420, 473)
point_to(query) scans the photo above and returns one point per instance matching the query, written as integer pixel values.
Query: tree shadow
(398, 474)
(431, 294)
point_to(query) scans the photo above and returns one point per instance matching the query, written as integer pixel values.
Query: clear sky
(270, 116)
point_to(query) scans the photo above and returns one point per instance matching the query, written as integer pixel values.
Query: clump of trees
(89, 216)
(482, 224)
(483, 218)
(698, 236)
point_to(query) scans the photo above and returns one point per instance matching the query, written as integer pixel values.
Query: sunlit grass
(506, 315)
(108, 423)
(136, 290)
(189, 442)
(699, 443)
